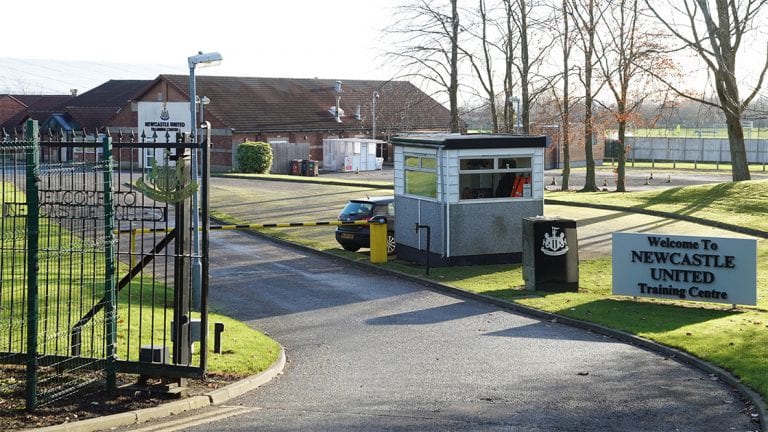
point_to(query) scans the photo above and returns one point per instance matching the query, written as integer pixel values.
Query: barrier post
(378, 239)
(132, 245)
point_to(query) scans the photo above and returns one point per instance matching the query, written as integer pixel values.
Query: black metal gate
(104, 264)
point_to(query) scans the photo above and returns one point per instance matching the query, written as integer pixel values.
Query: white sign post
(708, 269)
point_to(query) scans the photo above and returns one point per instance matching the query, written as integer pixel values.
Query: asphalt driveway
(371, 351)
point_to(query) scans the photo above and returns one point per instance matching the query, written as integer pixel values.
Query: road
(642, 179)
(370, 351)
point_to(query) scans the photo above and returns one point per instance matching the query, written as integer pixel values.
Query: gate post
(204, 245)
(110, 308)
(33, 226)
(181, 277)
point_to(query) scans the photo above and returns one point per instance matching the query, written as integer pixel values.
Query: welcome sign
(709, 269)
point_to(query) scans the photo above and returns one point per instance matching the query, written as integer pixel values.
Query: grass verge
(739, 203)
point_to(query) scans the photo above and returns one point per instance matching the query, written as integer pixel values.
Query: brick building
(303, 111)
(64, 115)
(276, 110)
(16, 109)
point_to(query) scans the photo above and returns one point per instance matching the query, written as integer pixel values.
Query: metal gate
(104, 266)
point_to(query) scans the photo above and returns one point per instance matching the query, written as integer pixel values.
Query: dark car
(354, 237)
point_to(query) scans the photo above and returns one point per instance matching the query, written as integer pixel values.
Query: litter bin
(550, 254)
(296, 167)
(311, 170)
(304, 164)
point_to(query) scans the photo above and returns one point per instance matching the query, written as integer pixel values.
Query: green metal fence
(82, 297)
(62, 265)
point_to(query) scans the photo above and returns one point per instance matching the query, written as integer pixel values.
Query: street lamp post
(373, 114)
(201, 60)
(516, 101)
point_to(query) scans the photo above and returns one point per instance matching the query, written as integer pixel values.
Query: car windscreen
(357, 210)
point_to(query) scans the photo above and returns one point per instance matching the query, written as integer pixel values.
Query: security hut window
(495, 177)
(421, 175)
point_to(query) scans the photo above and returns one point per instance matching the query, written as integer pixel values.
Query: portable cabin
(351, 154)
(472, 191)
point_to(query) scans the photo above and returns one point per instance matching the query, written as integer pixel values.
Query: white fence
(693, 149)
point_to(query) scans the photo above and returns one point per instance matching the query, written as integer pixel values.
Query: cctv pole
(196, 265)
(373, 114)
(207, 59)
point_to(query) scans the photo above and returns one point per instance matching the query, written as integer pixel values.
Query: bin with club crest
(550, 254)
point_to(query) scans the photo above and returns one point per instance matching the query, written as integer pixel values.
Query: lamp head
(207, 59)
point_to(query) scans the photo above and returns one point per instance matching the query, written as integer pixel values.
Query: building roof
(250, 104)
(38, 107)
(91, 110)
(472, 141)
(111, 94)
(95, 108)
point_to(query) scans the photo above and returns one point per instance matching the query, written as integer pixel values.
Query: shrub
(254, 157)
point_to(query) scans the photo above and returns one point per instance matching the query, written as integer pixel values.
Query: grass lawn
(740, 203)
(70, 283)
(302, 179)
(736, 340)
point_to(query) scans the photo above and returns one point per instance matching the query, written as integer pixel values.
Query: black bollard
(218, 329)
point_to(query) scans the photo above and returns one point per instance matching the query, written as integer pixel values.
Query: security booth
(470, 192)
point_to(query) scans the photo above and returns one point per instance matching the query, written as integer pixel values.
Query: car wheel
(391, 244)
(350, 248)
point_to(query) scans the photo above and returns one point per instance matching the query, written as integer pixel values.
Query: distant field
(700, 132)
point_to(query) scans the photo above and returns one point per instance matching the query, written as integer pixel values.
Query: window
(421, 175)
(495, 177)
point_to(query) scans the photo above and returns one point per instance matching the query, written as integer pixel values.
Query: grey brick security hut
(472, 191)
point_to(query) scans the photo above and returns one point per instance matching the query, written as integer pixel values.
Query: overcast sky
(333, 39)
(52, 46)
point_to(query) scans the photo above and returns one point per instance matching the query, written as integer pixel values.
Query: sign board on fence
(161, 118)
(709, 269)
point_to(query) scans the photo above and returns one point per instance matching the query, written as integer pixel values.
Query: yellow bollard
(379, 240)
(132, 246)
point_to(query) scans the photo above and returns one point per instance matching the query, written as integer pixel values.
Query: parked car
(354, 237)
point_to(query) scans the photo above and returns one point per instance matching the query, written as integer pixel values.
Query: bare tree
(483, 67)
(525, 65)
(715, 30)
(532, 30)
(510, 45)
(428, 47)
(563, 101)
(586, 15)
(630, 47)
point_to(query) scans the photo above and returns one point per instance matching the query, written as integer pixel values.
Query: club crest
(555, 244)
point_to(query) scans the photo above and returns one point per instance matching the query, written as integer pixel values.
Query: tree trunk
(489, 70)
(453, 89)
(508, 66)
(566, 130)
(739, 164)
(590, 183)
(566, 111)
(525, 69)
(621, 169)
